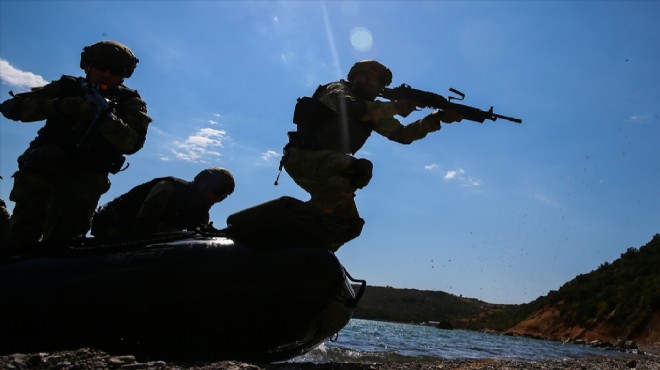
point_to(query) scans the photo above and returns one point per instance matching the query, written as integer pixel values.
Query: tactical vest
(319, 127)
(101, 156)
(180, 213)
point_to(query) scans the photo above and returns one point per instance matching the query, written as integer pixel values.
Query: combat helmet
(218, 179)
(109, 55)
(371, 65)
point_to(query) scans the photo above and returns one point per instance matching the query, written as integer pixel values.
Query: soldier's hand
(450, 116)
(75, 107)
(88, 111)
(433, 120)
(405, 107)
(10, 109)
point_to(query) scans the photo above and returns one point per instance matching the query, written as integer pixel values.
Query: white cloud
(288, 57)
(201, 146)
(431, 167)
(21, 79)
(460, 176)
(640, 118)
(472, 182)
(269, 155)
(452, 174)
(269, 158)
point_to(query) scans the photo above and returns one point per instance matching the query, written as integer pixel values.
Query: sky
(497, 211)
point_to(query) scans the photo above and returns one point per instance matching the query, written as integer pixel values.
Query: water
(377, 341)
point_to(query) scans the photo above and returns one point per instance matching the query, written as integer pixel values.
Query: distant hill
(417, 306)
(618, 300)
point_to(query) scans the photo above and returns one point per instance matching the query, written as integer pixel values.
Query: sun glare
(361, 39)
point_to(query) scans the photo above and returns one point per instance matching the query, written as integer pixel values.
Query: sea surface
(378, 341)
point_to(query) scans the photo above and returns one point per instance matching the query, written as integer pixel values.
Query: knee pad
(360, 172)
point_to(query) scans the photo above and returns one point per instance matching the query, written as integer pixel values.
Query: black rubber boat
(174, 297)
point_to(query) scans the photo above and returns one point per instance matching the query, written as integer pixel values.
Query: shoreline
(88, 359)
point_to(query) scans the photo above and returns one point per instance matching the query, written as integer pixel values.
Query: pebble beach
(89, 359)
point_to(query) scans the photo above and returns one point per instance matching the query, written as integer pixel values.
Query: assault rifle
(104, 109)
(426, 99)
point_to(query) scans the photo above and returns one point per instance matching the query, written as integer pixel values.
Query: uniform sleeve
(32, 106)
(382, 116)
(380, 113)
(127, 130)
(149, 215)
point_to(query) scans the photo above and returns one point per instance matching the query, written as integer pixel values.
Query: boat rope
(84, 245)
(363, 284)
(143, 240)
(127, 242)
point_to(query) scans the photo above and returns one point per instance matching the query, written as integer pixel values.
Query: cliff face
(547, 323)
(617, 301)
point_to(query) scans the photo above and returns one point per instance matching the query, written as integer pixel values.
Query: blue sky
(499, 212)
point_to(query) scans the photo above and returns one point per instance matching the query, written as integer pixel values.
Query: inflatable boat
(176, 297)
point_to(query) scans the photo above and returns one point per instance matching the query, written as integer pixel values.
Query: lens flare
(361, 39)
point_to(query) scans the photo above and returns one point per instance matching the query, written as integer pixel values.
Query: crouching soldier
(164, 204)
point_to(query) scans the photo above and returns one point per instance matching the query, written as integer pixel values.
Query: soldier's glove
(450, 116)
(11, 108)
(75, 107)
(404, 107)
(432, 121)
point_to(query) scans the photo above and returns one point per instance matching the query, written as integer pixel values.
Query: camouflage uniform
(4, 218)
(163, 204)
(58, 183)
(319, 156)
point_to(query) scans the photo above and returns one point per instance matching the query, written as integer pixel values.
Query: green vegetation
(416, 306)
(623, 293)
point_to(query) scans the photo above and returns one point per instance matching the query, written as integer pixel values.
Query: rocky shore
(89, 359)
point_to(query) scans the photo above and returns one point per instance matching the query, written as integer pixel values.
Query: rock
(121, 360)
(629, 344)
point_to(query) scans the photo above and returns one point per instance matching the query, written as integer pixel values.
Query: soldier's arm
(150, 214)
(127, 131)
(392, 129)
(37, 104)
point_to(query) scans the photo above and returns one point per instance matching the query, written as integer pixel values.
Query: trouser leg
(71, 211)
(330, 177)
(31, 193)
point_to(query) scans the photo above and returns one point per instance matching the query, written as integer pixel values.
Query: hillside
(618, 300)
(417, 306)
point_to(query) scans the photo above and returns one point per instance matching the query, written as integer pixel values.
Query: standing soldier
(334, 124)
(64, 171)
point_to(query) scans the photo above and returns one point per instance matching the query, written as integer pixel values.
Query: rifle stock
(426, 99)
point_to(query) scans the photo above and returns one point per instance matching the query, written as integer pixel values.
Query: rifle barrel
(516, 120)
